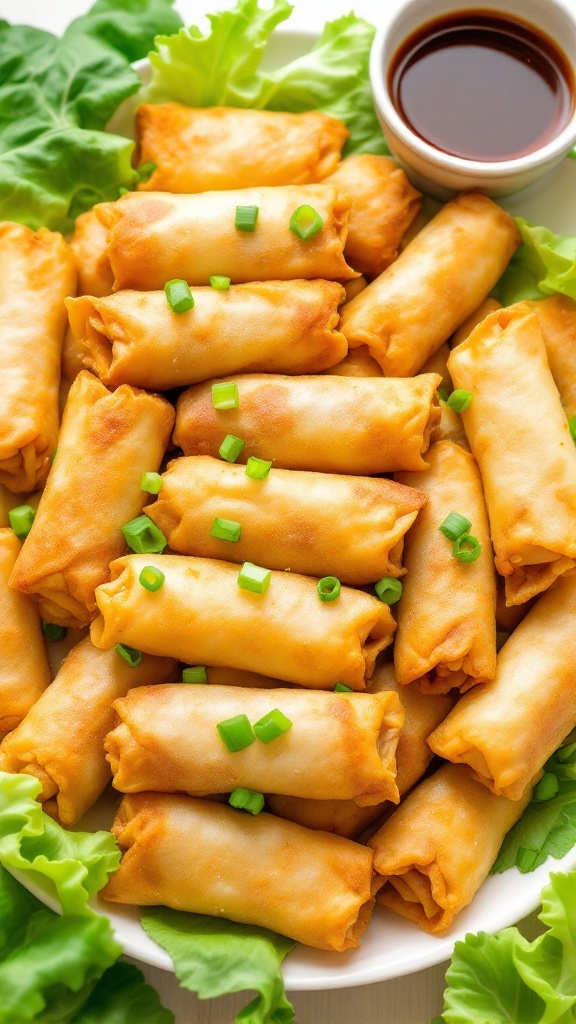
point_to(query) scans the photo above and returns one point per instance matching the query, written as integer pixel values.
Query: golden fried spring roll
(435, 851)
(224, 676)
(318, 524)
(200, 615)
(557, 318)
(447, 615)
(329, 424)
(61, 740)
(312, 886)
(156, 236)
(339, 743)
(278, 326)
(450, 427)
(88, 244)
(439, 279)
(529, 475)
(476, 317)
(354, 287)
(357, 363)
(384, 204)
(200, 149)
(106, 443)
(507, 729)
(509, 616)
(38, 272)
(24, 668)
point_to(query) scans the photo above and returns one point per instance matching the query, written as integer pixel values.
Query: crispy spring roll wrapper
(384, 204)
(314, 887)
(437, 849)
(224, 676)
(529, 475)
(354, 287)
(201, 616)
(167, 742)
(318, 524)
(106, 443)
(509, 616)
(506, 730)
(38, 272)
(24, 668)
(61, 740)
(357, 363)
(439, 279)
(413, 755)
(450, 427)
(488, 306)
(198, 149)
(447, 615)
(88, 244)
(156, 236)
(557, 318)
(330, 424)
(278, 326)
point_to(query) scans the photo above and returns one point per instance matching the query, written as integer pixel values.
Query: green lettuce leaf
(123, 997)
(223, 68)
(213, 957)
(544, 263)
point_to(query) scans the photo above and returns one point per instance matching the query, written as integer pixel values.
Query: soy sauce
(481, 86)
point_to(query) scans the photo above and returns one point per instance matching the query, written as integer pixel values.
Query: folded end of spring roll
(88, 243)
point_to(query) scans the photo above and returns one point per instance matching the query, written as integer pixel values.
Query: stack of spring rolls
(234, 683)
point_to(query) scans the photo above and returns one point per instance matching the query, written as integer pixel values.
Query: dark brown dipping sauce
(483, 87)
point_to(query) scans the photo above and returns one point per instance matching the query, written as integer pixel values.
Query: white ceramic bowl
(432, 170)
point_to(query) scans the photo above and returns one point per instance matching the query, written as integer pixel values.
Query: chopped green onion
(328, 588)
(257, 469)
(459, 400)
(254, 577)
(467, 548)
(194, 674)
(122, 191)
(501, 638)
(143, 536)
(342, 688)
(567, 753)
(145, 171)
(226, 529)
(455, 526)
(246, 217)
(572, 427)
(271, 726)
(546, 788)
(21, 519)
(130, 654)
(151, 482)
(52, 631)
(220, 283)
(388, 590)
(306, 222)
(230, 448)
(225, 395)
(237, 733)
(525, 859)
(180, 298)
(53, 456)
(151, 578)
(246, 800)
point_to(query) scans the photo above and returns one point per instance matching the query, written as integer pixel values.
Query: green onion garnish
(342, 688)
(151, 578)
(180, 298)
(467, 548)
(459, 400)
(567, 753)
(225, 395)
(230, 448)
(388, 590)
(254, 577)
(328, 588)
(306, 222)
(151, 482)
(145, 171)
(130, 654)
(525, 859)
(546, 788)
(455, 526)
(226, 529)
(21, 519)
(246, 217)
(572, 427)
(271, 726)
(220, 283)
(143, 536)
(237, 733)
(52, 631)
(257, 469)
(246, 800)
(194, 674)
(501, 638)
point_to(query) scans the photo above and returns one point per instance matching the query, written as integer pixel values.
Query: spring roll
(318, 524)
(224, 676)
(201, 616)
(557, 318)
(447, 615)
(311, 886)
(24, 668)
(437, 849)
(506, 730)
(354, 287)
(154, 237)
(384, 204)
(88, 243)
(450, 427)
(211, 148)
(106, 443)
(439, 279)
(357, 363)
(270, 326)
(529, 475)
(61, 739)
(38, 272)
(480, 313)
(330, 424)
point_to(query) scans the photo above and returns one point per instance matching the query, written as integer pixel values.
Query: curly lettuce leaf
(544, 263)
(123, 997)
(213, 957)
